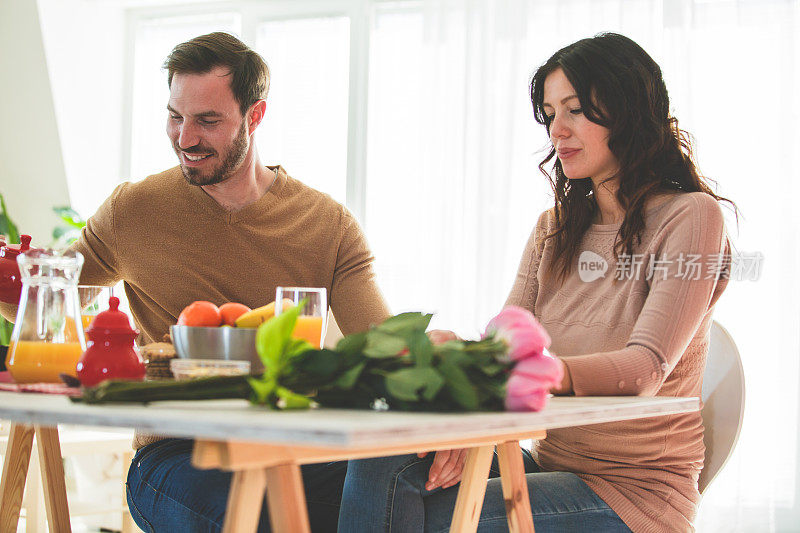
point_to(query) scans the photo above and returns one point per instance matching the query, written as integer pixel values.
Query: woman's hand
(447, 467)
(440, 336)
(566, 383)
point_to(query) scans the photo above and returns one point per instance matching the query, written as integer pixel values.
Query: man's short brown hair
(249, 72)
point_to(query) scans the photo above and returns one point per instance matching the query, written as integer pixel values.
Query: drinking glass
(94, 299)
(310, 324)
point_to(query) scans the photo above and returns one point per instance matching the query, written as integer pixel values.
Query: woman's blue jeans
(388, 494)
(167, 494)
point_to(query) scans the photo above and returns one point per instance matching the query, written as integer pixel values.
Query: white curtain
(453, 188)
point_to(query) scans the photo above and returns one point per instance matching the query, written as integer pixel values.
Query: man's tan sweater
(645, 334)
(172, 244)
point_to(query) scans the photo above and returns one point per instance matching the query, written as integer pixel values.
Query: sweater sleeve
(98, 244)
(678, 300)
(356, 300)
(526, 284)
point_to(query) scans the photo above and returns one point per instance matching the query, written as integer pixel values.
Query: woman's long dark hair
(620, 87)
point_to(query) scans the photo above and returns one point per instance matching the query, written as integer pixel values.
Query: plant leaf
(352, 344)
(295, 347)
(287, 399)
(459, 386)
(381, 344)
(6, 328)
(421, 349)
(319, 362)
(405, 384)
(7, 227)
(272, 338)
(262, 388)
(405, 323)
(350, 376)
(69, 216)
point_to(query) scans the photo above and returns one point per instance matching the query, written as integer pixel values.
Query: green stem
(209, 388)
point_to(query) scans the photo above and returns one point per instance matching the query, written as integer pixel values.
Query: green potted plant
(68, 232)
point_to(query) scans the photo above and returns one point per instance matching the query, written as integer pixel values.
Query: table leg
(55, 490)
(472, 489)
(515, 488)
(15, 470)
(245, 500)
(287, 499)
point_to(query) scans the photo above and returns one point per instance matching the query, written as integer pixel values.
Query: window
(150, 150)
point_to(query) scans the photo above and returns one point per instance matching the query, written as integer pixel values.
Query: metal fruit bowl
(224, 344)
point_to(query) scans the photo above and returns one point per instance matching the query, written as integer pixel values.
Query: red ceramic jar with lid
(110, 353)
(10, 279)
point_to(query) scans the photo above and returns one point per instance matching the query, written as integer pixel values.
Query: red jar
(10, 279)
(110, 353)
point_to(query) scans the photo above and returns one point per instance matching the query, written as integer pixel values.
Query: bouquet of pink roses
(393, 365)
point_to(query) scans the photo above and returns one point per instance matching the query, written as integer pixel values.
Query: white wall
(84, 45)
(32, 176)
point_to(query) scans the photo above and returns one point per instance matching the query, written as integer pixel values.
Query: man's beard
(236, 155)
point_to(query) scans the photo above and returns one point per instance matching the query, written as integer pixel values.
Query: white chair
(723, 399)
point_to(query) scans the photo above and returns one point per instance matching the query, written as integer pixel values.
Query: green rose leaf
(352, 344)
(296, 346)
(290, 400)
(459, 386)
(273, 337)
(381, 344)
(406, 384)
(421, 348)
(262, 388)
(349, 378)
(319, 362)
(405, 323)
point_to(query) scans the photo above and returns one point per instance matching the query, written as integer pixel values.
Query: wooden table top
(238, 420)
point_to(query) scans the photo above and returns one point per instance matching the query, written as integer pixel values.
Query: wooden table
(266, 448)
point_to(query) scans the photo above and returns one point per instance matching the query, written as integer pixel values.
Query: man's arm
(98, 244)
(355, 298)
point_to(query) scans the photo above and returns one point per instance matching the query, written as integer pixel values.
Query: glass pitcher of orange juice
(48, 338)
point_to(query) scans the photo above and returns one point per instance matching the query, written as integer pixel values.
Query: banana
(254, 318)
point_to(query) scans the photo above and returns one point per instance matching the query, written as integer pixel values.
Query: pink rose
(520, 331)
(533, 400)
(531, 380)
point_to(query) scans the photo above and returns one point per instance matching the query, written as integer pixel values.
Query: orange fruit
(200, 314)
(231, 311)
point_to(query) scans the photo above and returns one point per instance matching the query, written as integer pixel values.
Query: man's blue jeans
(167, 494)
(388, 494)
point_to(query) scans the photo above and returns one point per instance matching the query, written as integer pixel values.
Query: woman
(624, 273)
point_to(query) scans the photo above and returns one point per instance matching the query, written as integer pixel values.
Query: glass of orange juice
(310, 324)
(94, 299)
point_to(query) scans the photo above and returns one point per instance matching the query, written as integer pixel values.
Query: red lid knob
(11, 251)
(111, 320)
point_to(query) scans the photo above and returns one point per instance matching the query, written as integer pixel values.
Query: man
(221, 227)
